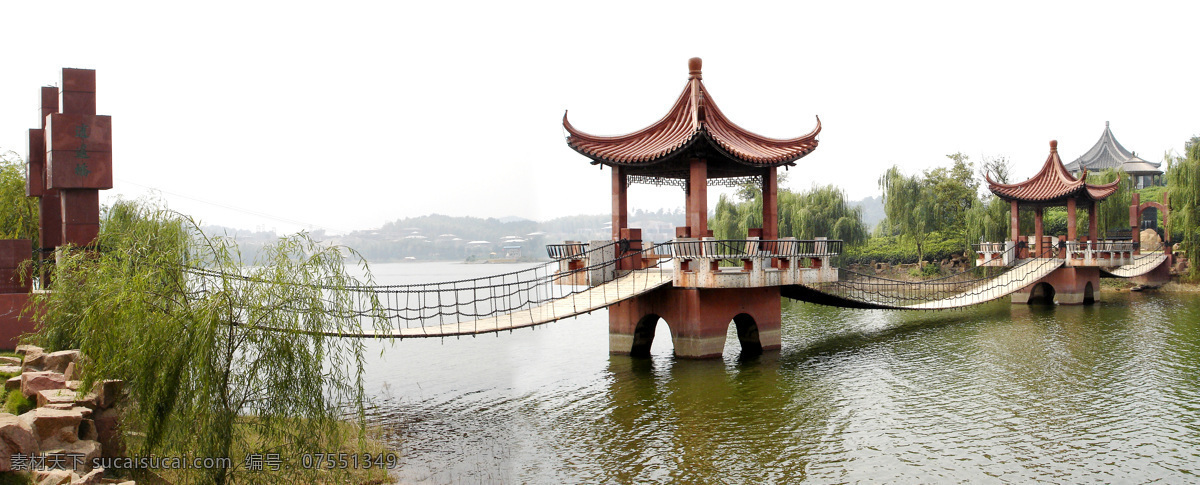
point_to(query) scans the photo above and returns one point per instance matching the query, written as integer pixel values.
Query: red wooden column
(79, 156)
(697, 198)
(770, 214)
(1071, 220)
(1093, 228)
(1135, 222)
(1014, 217)
(620, 201)
(1037, 232)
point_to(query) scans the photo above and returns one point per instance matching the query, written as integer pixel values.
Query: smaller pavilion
(1053, 186)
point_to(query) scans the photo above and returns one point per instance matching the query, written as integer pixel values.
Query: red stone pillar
(1071, 230)
(1037, 232)
(620, 201)
(770, 215)
(50, 211)
(1135, 223)
(79, 156)
(1093, 228)
(697, 198)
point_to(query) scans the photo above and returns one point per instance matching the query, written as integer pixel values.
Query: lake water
(993, 394)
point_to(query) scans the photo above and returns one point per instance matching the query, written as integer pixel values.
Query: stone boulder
(10, 369)
(78, 455)
(58, 361)
(35, 358)
(24, 349)
(16, 436)
(35, 382)
(54, 477)
(108, 392)
(108, 433)
(6, 360)
(1151, 241)
(53, 427)
(13, 383)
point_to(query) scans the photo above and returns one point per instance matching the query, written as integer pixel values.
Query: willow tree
(219, 355)
(1112, 213)
(822, 211)
(18, 213)
(909, 207)
(1183, 183)
(819, 212)
(988, 218)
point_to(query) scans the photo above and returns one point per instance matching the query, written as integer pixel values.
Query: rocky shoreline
(57, 442)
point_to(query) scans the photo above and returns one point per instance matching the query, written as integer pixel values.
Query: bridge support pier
(1158, 276)
(699, 320)
(1069, 285)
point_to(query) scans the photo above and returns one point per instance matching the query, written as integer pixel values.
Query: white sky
(347, 115)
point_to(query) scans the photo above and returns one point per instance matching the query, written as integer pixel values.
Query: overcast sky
(344, 115)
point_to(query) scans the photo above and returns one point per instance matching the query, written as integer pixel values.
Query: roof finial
(1106, 124)
(1054, 145)
(694, 65)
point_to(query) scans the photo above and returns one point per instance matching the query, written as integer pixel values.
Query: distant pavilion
(1108, 153)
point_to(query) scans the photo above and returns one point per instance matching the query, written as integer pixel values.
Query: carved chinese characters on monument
(78, 151)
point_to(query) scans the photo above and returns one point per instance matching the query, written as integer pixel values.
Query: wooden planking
(1141, 265)
(1020, 276)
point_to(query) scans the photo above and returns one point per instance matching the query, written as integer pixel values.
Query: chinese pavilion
(1053, 186)
(693, 146)
(1109, 153)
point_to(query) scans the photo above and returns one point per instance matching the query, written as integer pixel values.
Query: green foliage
(926, 271)
(17, 404)
(197, 363)
(940, 200)
(896, 250)
(15, 478)
(1113, 212)
(819, 212)
(18, 213)
(1183, 181)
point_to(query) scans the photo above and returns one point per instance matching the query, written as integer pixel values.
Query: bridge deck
(633, 284)
(1020, 276)
(1141, 265)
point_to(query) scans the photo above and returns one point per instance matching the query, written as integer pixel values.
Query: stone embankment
(57, 441)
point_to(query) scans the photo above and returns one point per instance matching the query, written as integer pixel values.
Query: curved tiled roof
(1052, 184)
(1109, 153)
(693, 117)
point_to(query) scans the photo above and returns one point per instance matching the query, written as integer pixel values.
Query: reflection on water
(997, 393)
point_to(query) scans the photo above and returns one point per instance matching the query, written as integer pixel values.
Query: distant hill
(872, 210)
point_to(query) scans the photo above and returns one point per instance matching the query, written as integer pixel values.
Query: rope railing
(971, 287)
(467, 302)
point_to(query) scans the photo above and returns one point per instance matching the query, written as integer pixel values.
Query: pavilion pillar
(1093, 229)
(1071, 220)
(1037, 232)
(1135, 223)
(620, 201)
(1015, 218)
(697, 198)
(770, 215)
